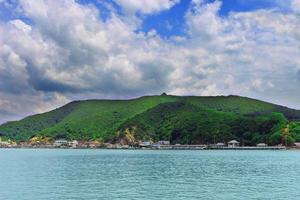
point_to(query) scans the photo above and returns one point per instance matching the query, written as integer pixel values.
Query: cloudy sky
(56, 51)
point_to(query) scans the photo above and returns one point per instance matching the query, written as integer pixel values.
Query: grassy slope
(180, 122)
(82, 119)
(26, 127)
(242, 105)
(186, 123)
(101, 118)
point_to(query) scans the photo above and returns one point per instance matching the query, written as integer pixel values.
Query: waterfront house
(25, 144)
(93, 144)
(297, 144)
(108, 145)
(261, 145)
(60, 143)
(233, 144)
(163, 142)
(125, 147)
(83, 144)
(4, 144)
(145, 144)
(220, 145)
(73, 144)
(160, 143)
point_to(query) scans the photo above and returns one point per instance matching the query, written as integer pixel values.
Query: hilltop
(183, 119)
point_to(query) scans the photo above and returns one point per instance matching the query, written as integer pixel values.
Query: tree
(275, 138)
(286, 135)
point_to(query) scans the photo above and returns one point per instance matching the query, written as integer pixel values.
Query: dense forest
(187, 124)
(185, 120)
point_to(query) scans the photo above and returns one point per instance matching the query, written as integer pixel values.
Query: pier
(252, 148)
(179, 147)
(206, 147)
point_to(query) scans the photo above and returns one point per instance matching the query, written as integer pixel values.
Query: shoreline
(167, 149)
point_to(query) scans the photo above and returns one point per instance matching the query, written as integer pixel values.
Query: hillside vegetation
(189, 120)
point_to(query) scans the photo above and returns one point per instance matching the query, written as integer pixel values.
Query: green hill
(189, 119)
(84, 120)
(185, 123)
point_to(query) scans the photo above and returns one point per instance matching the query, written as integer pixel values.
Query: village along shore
(159, 145)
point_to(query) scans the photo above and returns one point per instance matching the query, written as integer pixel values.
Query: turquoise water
(37, 174)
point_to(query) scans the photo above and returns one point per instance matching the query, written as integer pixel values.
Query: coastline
(271, 148)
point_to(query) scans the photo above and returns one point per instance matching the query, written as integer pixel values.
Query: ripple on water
(120, 174)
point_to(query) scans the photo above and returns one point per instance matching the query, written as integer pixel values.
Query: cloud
(247, 53)
(14, 107)
(295, 5)
(146, 6)
(69, 50)
(19, 24)
(203, 21)
(65, 52)
(79, 52)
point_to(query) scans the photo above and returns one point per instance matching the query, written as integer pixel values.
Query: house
(73, 144)
(261, 145)
(159, 143)
(108, 145)
(220, 145)
(4, 144)
(93, 144)
(60, 143)
(125, 147)
(297, 144)
(24, 144)
(145, 144)
(163, 142)
(233, 144)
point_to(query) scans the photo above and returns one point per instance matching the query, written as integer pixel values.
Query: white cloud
(69, 50)
(261, 44)
(21, 25)
(203, 21)
(68, 53)
(13, 107)
(210, 90)
(146, 6)
(295, 5)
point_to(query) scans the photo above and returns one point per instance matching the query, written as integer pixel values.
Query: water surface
(35, 174)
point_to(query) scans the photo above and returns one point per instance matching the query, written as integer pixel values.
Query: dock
(206, 147)
(179, 147)
(251, 148)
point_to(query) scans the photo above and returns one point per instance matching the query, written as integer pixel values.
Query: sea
(54, 174)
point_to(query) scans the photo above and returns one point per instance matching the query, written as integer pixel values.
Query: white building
(4, 144)
(163, 142)
(233, 143)
(73, 143)
(145, 144)
(220, 145)
(297, 144)
(60, 142)
(261, 145)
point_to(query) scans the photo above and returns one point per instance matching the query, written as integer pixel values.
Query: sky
(56, 51)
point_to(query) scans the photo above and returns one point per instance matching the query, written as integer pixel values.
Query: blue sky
(171, 22)
(167, 22)
(54, 52)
